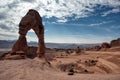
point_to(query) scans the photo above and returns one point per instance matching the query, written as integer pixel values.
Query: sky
(65, 21)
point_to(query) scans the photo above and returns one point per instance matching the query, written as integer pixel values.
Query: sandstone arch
(32, 20)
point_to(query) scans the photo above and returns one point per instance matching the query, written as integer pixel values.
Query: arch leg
(41, 45)
(20, 45)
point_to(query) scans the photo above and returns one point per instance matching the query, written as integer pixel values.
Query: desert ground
(88, 65)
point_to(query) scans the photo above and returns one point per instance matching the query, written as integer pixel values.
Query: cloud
(11, 11)
(98, 24)
(29, 1)
(77, 8)
(2, 16)
(7, 35)
(4, 27)
(111, 11)
(61, 9)
(62, 20)
(31, 38)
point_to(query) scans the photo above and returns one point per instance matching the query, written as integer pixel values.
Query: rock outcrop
(31, 20)
(105, 45)
(115, 43)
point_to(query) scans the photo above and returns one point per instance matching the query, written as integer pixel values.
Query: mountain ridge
(9, 44)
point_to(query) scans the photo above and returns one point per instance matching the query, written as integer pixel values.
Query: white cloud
(11, 11)
(62, 20)
(111, 11)
(31, 30)
(15, 9)
(7, 35)
(64, 8)
(31, 38)
(98, 24)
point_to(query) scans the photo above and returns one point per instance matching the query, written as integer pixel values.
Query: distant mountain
(6, 43)
(9, 44)
(69, 45)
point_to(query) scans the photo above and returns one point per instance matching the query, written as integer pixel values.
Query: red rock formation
(105, 45)
(115, 43)
(31, 20)
(20, 45)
